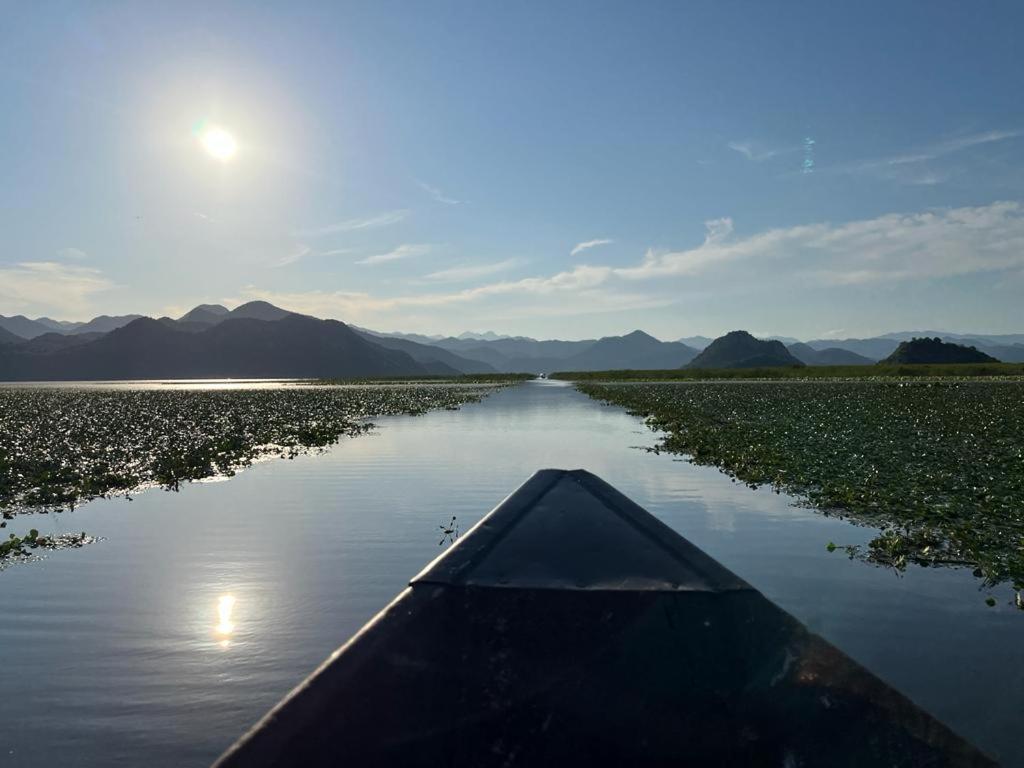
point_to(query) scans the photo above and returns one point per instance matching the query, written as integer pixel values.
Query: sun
(218, 143)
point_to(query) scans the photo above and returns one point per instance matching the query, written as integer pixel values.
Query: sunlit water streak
(117, 654)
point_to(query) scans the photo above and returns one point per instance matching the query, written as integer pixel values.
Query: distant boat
(571, 627)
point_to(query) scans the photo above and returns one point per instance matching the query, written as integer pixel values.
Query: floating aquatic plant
(61, 446)
(937, 465)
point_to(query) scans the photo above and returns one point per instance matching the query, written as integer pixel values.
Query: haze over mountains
(260, 340)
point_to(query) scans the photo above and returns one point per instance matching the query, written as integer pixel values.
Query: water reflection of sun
(225, 605)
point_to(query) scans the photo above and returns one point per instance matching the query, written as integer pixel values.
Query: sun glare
(225, 605)
(218, 143)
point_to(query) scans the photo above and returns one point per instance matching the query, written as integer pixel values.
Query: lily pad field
(61, 446)
(936, 465)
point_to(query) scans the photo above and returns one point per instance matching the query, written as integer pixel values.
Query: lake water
(117, 654)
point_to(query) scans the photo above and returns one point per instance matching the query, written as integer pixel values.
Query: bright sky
(556, 169)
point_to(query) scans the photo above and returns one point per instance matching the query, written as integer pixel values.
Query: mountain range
(258, 339)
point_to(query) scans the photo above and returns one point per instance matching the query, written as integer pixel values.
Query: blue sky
(556, 169)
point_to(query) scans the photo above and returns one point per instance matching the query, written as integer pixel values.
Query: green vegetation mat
(937, 465)
(61, 446)
(961, 370)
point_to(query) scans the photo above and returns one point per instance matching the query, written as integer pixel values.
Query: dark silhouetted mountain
(53, 342)
(260, 310)
(419, 338)
(808, 355)
(697, 342)
(636, 351)
(104, 324)
(517, 354)
(1008, 353)
(738, 349)
(207, 314)
(873, 349)
(935, 351)
(6, 337)
(58, 326)
(21, 326)
(430, 355)
(292, 347)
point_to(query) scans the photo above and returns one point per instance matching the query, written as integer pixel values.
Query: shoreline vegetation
(935, 463)
(860, 372)
(60, 447)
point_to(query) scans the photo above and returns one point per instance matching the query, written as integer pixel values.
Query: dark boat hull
(499, 656)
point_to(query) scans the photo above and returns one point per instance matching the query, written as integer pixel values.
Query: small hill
(808, 355)
(259, 310)
(738, 349)
(634, 351)
(104, 324)
(208, 314)
(935, 351)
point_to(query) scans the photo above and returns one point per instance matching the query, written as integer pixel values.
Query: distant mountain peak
(740, 349)
(260, 310)
(638, 334)
(935, 351)
(205, 312)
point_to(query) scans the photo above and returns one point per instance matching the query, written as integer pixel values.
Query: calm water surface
(118, 654)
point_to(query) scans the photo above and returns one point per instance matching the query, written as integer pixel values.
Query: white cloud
(49, 286)
(437, 194)
(407, 251)
(893, 247)
(886, 249)
(588, 244)
(72, 253)
(353, 225)
(471, 272)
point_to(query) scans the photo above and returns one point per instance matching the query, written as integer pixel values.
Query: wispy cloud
(298, 252)
(888, 249)
(757, 152)
(50, 286)
(950, 146)
(72, 253)
(911, 167)
(437, 194)
(471, 272)
(587, 245)
(407, 251)
(354, 225)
